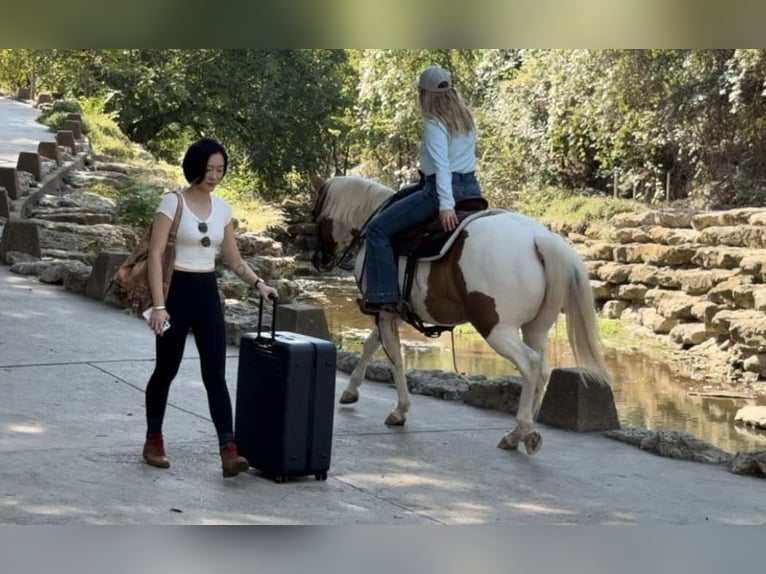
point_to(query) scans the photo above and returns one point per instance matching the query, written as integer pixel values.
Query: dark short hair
(197, 156)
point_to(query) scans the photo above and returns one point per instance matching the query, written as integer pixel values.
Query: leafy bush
(137, 204)
(106, 137)
(55, 121)
(555, 205)
(67, 106)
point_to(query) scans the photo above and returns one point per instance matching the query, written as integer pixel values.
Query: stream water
(646, 392)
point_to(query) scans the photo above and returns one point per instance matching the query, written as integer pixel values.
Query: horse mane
(351, 200)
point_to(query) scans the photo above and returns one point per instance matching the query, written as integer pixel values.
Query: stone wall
(697, 278)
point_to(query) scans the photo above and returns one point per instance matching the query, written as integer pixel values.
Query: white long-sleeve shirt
(442, 154)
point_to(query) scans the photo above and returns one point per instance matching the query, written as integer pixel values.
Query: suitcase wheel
(321, 475)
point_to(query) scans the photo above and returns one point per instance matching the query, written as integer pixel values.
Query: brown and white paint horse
(506, 274)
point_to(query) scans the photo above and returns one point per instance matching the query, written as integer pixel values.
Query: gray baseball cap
(435, 79)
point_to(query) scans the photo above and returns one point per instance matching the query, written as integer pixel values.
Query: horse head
(342, 207)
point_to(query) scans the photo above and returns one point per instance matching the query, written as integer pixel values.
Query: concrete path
(19, 130)
(72, 373)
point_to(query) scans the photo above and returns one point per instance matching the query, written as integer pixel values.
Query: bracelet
(158, 308)
(255, 285)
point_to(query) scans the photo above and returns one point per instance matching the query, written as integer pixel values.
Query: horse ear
(316, 181)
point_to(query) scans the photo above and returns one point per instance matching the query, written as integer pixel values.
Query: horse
(505, 273)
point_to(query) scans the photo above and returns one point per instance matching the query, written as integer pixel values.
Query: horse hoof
(506, 443)
(395, 420)
(349, 397)
(533, 441)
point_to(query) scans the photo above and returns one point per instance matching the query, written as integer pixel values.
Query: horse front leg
(351, 392)
(388, 326)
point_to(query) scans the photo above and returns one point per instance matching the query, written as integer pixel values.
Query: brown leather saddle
(427, 240)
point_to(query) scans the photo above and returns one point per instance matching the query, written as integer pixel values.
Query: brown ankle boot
(154, 451)
(231, 462)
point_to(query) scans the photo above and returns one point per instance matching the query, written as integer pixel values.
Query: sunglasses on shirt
(202, 228)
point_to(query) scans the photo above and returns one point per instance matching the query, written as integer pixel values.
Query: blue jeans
(381, 266)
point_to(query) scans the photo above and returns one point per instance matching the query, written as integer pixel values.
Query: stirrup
(374, 309)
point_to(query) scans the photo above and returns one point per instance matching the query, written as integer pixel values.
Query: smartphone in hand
(148, 315)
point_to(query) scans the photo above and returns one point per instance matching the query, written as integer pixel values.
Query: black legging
(193, 303)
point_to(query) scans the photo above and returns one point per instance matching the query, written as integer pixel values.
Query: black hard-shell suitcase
(285, 402)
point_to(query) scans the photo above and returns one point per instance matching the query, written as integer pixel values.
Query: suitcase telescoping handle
(274, 300)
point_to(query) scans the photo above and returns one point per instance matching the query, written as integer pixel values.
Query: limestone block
(21, 236)
(75, 127)
(704, 311)
(499, 394)
(9, 179)
(75, 278)
(29, 161)
(673, 236)
(659, 324)
(719, 257)
(49, 150)
(634, 219)
(646, 274)
(102, 272)
(613, 309)
(675, 218)
(723, 293)
(602, 291)
(302, 318)
(632, 292)
(752, 415)
(667, 254)
(756, 364)
(632, 235)
(629, 253)
(671, 304)
(573, 401)
(742, 235)
(614, 272)
(5, 205)
(690, 334)
(593, 266)
(66, 138)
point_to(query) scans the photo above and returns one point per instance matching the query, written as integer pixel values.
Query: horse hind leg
(505, 340)
(535, 335)
(351, 392)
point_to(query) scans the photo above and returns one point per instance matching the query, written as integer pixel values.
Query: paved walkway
(19, 130)
(72, 373)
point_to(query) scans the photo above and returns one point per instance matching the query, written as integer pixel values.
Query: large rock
(574, 401)
(753, 463)
(302, 318)
(5, 204)
(497, 394)
(22, 236)
(672, 444)
(752, 415)
(103, 271)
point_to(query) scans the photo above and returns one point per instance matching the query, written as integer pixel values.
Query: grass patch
(252, 214)
(576, 209)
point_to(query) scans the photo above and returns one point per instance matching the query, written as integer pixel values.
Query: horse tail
(568, 288)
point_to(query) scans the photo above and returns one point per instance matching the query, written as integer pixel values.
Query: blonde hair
(449, 108)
